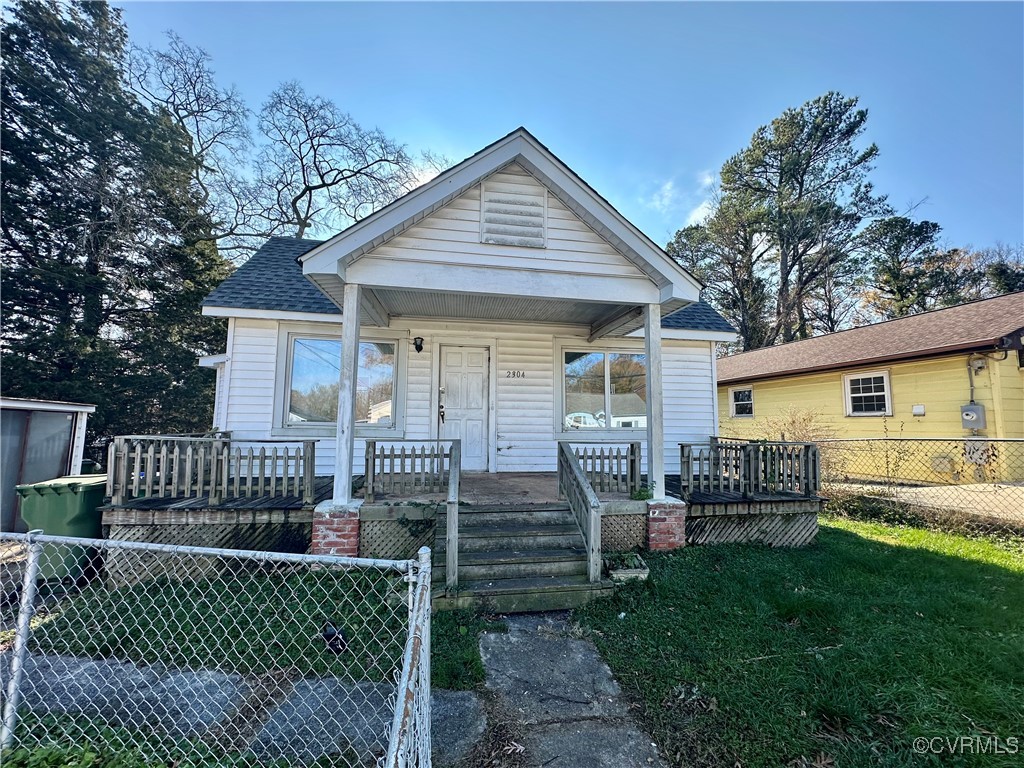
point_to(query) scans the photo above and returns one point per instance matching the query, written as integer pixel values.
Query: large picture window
(313, 382)
(604, 390)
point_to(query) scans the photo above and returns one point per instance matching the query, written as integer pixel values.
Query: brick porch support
(666, 524)
(335, 530)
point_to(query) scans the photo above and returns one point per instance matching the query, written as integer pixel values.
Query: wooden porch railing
(749, 468)
(575, 488)
(406, 467)
(609, 467)
(185, 466)
(452, 518)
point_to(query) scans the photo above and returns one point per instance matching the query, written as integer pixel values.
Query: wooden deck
(232, 509)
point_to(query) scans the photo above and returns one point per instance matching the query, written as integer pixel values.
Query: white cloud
(699, 213)
(695, 203)
(665, 198)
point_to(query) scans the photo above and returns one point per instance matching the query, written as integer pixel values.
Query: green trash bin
(67, 506)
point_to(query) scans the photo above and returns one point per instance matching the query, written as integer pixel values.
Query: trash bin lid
(66, 484)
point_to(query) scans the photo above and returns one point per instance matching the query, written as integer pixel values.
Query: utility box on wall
(972, 416)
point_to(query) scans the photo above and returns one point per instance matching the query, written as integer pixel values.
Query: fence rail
(182, 466)
(406, 467)
(190, 655)
(750, 468)
(575, 488)
(609, 467)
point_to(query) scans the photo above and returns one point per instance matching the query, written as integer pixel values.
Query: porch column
(655, 406)
(345, 447)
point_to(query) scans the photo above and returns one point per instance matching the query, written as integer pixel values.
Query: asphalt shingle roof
(975, 325)
(272, 279)
(699, 316)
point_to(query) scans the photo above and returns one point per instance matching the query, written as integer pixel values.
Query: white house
(505, 303)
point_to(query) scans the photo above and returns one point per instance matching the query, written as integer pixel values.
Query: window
(741, 401)
(314, 367)
(867, 394)
(604, 390)
(513, 214)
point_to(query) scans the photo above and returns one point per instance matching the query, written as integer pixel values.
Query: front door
(463, 400)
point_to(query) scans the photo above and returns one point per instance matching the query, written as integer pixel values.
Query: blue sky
(645, 101)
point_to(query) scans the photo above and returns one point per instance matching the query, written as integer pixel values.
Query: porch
(518, 541)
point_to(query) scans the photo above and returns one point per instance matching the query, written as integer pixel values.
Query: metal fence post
(22, 631)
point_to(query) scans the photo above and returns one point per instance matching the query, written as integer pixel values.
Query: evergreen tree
(105, 249)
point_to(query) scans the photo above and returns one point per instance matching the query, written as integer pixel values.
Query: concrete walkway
(291, 719)
(568, 705)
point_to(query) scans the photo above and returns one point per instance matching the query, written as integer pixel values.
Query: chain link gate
(193, 656)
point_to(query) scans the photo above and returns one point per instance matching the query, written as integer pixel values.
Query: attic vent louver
(513, 214)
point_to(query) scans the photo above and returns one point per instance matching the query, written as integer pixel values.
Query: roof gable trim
(519, 146)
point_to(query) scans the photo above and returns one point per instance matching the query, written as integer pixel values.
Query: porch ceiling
(475, 306)
(604, 319)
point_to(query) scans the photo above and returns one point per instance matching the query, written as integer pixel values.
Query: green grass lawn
(839, 654)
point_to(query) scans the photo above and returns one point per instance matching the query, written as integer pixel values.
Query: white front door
(463, 400)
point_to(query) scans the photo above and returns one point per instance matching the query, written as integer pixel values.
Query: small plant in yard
(624, 566)
(643, 493)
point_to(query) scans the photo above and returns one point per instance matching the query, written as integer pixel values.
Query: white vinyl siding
(524, 407)
(688, 396)
(452, 236)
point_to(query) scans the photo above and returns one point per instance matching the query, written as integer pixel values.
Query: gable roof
(985, 324)
(272, 279)
(330, 259)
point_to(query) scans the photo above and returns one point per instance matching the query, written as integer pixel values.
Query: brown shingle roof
(976, 325)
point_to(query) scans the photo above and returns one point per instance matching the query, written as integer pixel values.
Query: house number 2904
(515, 374)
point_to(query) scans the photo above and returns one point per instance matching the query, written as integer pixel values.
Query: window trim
(607, 433)
(732, 403)
(847, 395)
(287, 332)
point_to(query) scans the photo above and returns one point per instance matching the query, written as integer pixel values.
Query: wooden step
(514, 536)
(514, 564)
(522, 556)
(524, 595)
(473, 517)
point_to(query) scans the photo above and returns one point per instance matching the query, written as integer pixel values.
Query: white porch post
(345, 448)
(655, 403)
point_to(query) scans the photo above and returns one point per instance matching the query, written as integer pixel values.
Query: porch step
(473, 516)
(515, 557)
(521, 537)
(516, 564)
(523, 595)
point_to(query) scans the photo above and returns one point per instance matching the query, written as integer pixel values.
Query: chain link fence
(971, 483)
(187, 656)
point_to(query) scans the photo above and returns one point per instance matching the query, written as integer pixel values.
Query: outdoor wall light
(417, 343)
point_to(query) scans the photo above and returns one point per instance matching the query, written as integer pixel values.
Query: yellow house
(951, 373)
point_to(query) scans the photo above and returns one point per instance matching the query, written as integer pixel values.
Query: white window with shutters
(513, 214)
